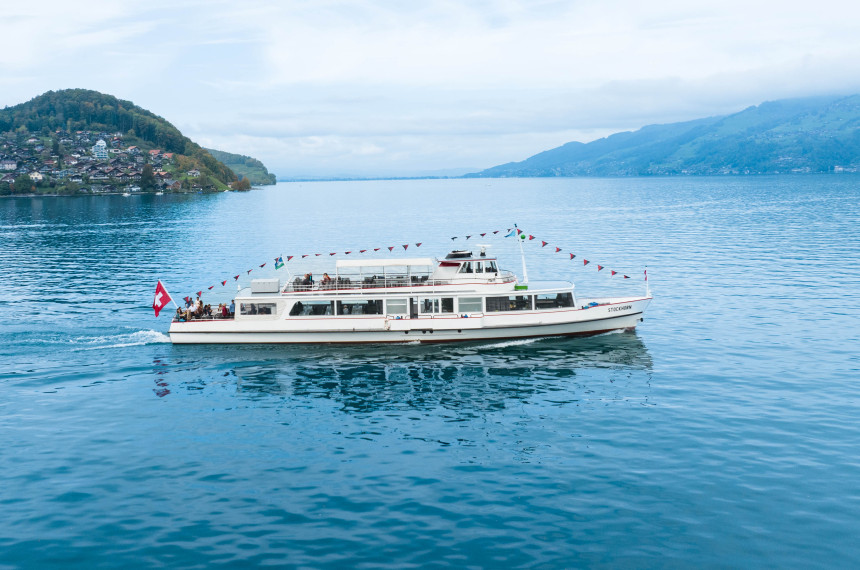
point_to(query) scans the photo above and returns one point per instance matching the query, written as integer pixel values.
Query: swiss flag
(162, 297)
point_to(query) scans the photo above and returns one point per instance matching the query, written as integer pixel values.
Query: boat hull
(619, 315)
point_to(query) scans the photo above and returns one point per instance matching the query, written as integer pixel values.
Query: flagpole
(647, 285)
(523, 255)
(168, 294)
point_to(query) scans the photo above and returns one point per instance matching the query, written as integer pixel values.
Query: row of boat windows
(425, 305)
(479, 267)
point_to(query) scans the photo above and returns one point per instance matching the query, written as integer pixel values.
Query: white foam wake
(137, 338)
(507, 343)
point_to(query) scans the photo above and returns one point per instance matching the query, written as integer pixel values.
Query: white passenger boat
(462, 297)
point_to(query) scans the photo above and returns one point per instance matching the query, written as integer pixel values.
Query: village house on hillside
(100, 161)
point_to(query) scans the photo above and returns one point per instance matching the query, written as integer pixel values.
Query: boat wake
(137, 338)
(508, 343)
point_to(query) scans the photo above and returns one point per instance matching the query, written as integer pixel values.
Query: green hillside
(72, 110)
(817, 134)
(245, 166)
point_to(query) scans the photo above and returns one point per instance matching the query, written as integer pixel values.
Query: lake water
(725, 432)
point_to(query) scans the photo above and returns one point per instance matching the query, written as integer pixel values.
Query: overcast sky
(328, 88)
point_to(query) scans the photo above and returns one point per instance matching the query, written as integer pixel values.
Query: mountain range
(815, 134)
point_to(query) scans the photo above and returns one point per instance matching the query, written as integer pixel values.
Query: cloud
(342, 85)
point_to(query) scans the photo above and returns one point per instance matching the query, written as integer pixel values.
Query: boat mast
(523, 255)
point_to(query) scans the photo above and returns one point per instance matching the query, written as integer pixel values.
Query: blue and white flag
(279, 262)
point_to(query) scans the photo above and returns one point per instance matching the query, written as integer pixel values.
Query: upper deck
(459, 268)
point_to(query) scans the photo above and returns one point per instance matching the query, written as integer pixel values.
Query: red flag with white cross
(162, 297)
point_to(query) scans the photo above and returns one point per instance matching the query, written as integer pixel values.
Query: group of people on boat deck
(308, 280)
(197, 310)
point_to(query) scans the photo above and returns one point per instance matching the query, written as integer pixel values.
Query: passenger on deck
(232, 307)
(326, 279)
(180, 316)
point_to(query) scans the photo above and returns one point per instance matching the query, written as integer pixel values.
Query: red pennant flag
(249, 271)
(613, 272)
(210, 287)
(361, 250)
(305, 255)
(483, 234)
(531, 238)
(262, 265)
(376, 249)
(199, 293)
(599, 267)
(572, 256)
(558, 249)
(453, 238)
(405, 245)
(497, 231)
(332, 253)
(348, 252)
(391, 248)
(418, 244)
(543, 243)
(289, 257)
(519, 231)
(467, 237)
(317, 254)
(585, 262)
(161, 298)
(235, 277)
(223, 283)
(626, 277)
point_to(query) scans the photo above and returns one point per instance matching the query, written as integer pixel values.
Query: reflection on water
(474, 376)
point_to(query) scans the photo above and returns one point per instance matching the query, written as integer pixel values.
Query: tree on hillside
(23, 185)
(147, 178)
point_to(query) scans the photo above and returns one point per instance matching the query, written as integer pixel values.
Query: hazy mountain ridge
(817, 134)
(246, 166)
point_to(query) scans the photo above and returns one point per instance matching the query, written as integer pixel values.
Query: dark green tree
(147, 178)
(23, 185)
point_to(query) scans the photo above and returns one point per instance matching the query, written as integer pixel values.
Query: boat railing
(213, 317)
(379, 282)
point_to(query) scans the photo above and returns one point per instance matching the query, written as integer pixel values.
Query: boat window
(396, 306)
(435, 305)
(553, 300)
(470, 305)
(257, 308)
(466, 267)
(479, 267)
(490, 267)
(312, 308)
(360, 307)
(509, 303)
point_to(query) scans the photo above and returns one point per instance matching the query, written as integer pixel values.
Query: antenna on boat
(483, 249)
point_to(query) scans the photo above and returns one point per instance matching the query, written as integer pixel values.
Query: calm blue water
(725, 432)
